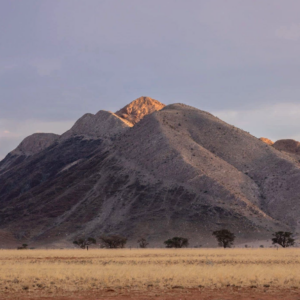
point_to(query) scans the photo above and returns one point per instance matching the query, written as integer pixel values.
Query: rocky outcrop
(139, 108)
(267, 141)
(289, 145)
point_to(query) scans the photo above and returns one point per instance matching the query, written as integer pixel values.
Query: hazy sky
(59, 59)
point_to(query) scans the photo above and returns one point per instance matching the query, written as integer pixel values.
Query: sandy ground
(229, 293)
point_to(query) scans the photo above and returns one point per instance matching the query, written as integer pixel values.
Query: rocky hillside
(289, 146)
(104, 124)
(31, 145)
(177, 171)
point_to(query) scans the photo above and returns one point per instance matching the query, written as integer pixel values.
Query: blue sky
(60, 59)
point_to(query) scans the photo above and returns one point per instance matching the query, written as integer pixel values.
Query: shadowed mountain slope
(104, 124)
(31, 145)
(179, 171)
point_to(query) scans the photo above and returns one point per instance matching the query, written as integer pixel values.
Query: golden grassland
(79, 270)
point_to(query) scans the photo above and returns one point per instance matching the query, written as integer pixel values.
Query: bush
(177, 242)
(24, 246)
(113, 241)
(82, 243)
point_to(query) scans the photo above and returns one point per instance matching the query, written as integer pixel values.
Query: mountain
(177, 171)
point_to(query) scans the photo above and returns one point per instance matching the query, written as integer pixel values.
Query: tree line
(224, 237)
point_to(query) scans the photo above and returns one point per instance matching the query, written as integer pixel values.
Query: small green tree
(113, 241)
(283, 238)
(143, 243)
(83, 243)
(224, 237)
(177, 242)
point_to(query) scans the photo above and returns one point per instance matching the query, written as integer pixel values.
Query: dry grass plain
(31, 274)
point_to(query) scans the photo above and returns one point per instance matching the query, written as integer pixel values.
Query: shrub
(24, 246)
(177, 242)
(113, 241)
(84, 243)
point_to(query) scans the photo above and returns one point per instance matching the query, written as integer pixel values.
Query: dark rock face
(45, 165)
(11, 161)
(156, 179)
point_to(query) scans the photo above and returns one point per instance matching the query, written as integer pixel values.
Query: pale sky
(59, 59)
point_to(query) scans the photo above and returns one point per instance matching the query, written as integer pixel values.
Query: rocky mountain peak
(137, 109)
(102, 124)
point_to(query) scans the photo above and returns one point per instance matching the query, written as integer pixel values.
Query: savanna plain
(150, 273)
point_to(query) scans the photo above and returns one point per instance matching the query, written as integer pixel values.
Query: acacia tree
(24, 246)
(224, 237)
(176, 242)
(143, 243)
(283, 238)
(84, 243)
(113, 241)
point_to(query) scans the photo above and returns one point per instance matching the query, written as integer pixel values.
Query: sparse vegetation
(283, 239)
(84, 243)
(74, 270)
(224, 237)
(113, 241)
(177, 242)
(143, 243)
(23, 247)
